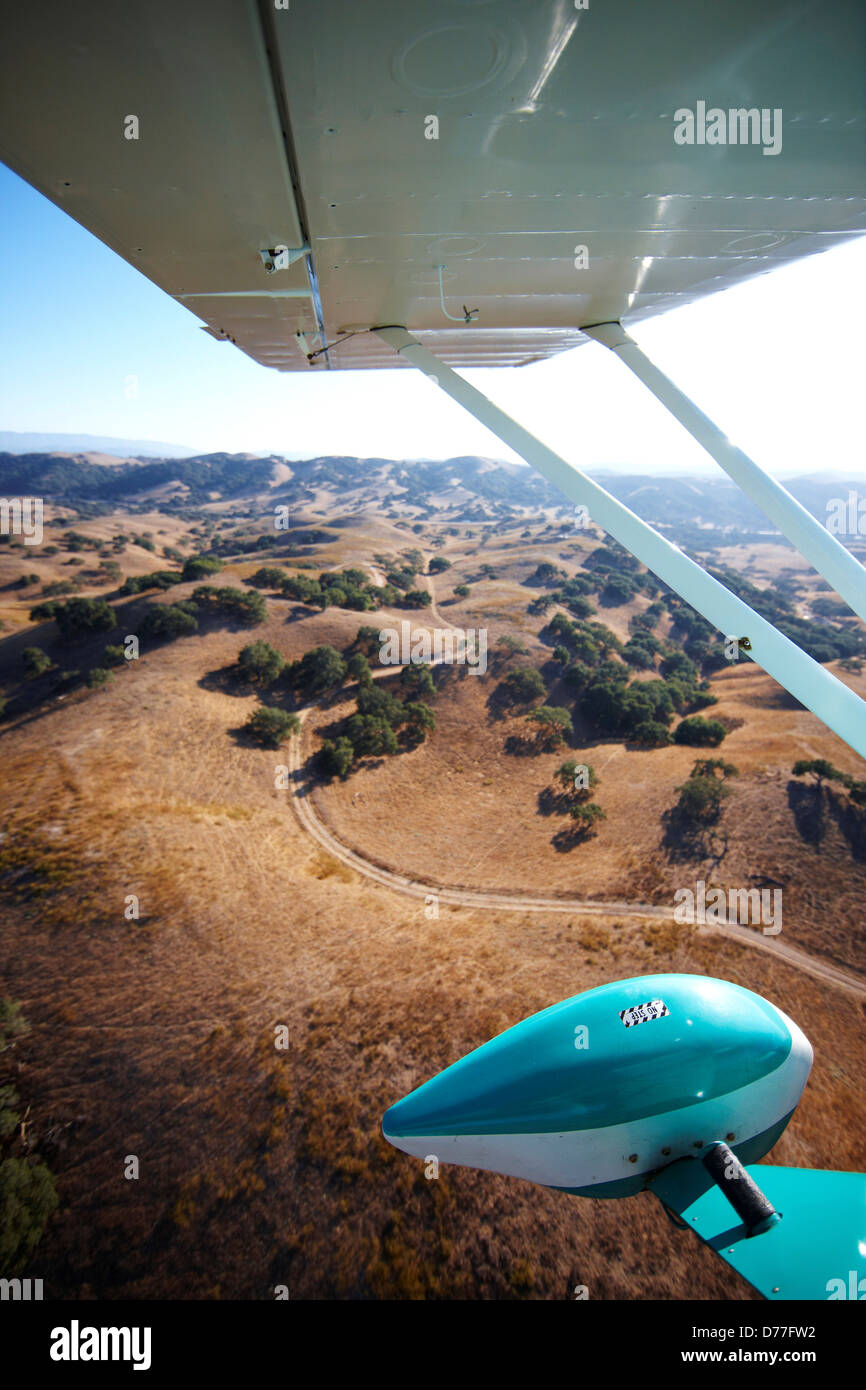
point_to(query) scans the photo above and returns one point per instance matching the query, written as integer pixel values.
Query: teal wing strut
(816, 1251)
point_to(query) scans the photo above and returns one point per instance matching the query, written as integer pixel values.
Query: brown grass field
(155, 1037)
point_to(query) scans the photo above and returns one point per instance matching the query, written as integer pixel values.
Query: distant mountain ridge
(15, 442)
(696, 511)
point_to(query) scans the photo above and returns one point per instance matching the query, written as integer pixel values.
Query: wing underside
(527, 148)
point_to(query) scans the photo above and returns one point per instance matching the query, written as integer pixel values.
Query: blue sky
(778, 363)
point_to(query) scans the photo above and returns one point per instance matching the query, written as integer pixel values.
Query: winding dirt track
(505, 902)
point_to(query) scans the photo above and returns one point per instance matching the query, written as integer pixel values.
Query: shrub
(416, 598)
(167, 620)
(382, 705)
(420, 720)
(78, 617)
(335, 759)
(27, 1199)
(269, 577)
(637, 654)
(98, 677)
(567, 772)
(366, 640)
(35, 660)
(259, 661)
(370, 735)
(680, 666)
(199, 566)
(417, 679)
(701, 797)
(303, 589)
(617, 590)
(158, 579)
(359, 669)
(553, 725)
(585, 815)
(522, 685)
(247, 607)
(320, 669)
(700, 732)
(271, 727)
(651, 734)
(702, 699)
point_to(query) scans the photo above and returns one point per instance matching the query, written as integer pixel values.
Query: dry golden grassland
(156, 1037)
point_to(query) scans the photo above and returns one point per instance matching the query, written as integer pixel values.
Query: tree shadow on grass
(688, 842)
(570, 837)
(302, 610)
(229, 680)
(851, 821)
(521, 747)
(552, 803)
(807, 805)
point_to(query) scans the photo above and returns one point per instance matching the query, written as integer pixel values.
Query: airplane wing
(816, 1251)
(477, 182)
(527, 146)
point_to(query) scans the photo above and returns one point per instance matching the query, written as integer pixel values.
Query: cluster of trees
(166, 621)
(700, 640)
(158, 579)
(243, 605)
(27, 1192)
(381, 724)
(823, 641)
(639, 710)
(615, 575)
(77, 617)
(349, 588)
(194, 567)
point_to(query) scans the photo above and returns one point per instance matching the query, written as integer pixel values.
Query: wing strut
(832, 701)
(814, 542)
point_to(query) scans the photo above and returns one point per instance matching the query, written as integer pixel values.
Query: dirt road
(511, 902)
